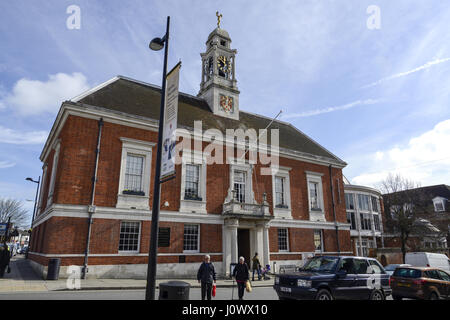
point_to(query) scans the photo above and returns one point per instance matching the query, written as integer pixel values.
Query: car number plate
(284, 289)
(404, 284)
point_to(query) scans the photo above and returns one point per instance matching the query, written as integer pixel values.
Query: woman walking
(241, 275)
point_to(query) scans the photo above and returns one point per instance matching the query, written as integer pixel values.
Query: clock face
(226, 103)
(224, 65)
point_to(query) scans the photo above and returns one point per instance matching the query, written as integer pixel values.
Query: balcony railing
(234, 207)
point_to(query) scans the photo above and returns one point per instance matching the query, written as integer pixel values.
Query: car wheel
(433, 296)
(324, 294)
(396, 297)
(377, 295)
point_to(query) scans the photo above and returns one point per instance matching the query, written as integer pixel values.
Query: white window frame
(41, 190)
(51, 189)
(248, 169)
(195, 158)
(198, 238)
(287, 240)
(139, 238)
(282, 172)
(439, 200)
(315, 215)
(321, 241)
(138, 148)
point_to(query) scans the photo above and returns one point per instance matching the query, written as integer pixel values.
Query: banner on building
(170, 123)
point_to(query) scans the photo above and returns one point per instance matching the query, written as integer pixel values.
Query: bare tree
(10, 208)
(403, 203)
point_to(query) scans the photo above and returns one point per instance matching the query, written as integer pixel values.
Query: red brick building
(226, 210)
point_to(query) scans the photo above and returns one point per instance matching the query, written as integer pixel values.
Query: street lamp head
(157, 44)
(29, 179)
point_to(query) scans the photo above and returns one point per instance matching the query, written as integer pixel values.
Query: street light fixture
(34, 210)
(157, 44)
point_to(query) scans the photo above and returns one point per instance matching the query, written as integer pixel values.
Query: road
(194, 294)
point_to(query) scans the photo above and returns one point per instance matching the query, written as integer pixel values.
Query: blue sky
(377, 98)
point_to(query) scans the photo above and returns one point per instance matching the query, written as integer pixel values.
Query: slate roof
(141, 99)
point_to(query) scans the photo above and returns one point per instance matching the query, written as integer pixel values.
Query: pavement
(24, 279)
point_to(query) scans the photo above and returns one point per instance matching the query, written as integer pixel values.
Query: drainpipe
(334, 213)
(91, 207)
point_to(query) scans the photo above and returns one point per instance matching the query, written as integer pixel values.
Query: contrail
(332, 109)
(402, 74)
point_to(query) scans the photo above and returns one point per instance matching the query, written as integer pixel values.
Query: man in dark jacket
(240, 272)
(4, 258)
(206, 275)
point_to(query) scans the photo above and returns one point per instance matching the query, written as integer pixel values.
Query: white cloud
(6, 164)
(31, 97)
(425, 159)
(18, 137)
(332, 109)
(427, 65)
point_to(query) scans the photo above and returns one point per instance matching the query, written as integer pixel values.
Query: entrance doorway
(243, 242)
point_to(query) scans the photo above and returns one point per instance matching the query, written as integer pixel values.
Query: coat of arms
(226, 103)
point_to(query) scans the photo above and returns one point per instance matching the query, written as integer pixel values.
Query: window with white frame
(314, 203)
(375, 204)
(191, 238)
(315, 196)
(239, 186)
(280, 198)
(363, 202)
(283, 239)
(365, 221)
(438, 203)
(133, 174)
(53, 174)
(376, 222)
(134, 179)
(351, 219)
(318, 240)
(349, 202)
(129, 236)
(191, 188)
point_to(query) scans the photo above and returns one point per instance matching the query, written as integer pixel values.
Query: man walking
(256, 266)
(240, 272)
(206, 275)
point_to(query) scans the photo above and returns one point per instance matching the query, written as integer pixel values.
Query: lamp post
(157, 44)
(34, 210)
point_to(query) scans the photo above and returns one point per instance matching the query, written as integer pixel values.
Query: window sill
(134, 193)
(193, 206)
(131, 201)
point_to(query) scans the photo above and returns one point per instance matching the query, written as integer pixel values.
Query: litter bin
(53, 269)
(174, 290)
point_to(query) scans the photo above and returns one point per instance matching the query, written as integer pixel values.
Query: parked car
(330, 277)
(390, 268)
(420, 283)
(427, 259)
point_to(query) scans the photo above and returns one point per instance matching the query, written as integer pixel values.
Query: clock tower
(218, 85)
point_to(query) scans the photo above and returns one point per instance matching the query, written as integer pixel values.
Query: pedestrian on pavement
(241, 274)
(256, 266)
(206, 275)
(4, 258)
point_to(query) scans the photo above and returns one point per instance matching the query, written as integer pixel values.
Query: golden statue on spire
(219, 16)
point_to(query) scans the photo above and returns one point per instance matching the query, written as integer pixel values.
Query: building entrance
(243, 242)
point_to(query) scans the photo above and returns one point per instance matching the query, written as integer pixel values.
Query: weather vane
(219, 16)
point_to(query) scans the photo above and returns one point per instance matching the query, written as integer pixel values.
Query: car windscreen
(321, 264)
(407, 273)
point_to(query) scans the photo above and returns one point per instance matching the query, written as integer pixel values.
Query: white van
(427, 259)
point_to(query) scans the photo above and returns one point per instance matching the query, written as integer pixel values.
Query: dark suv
(330, 277)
